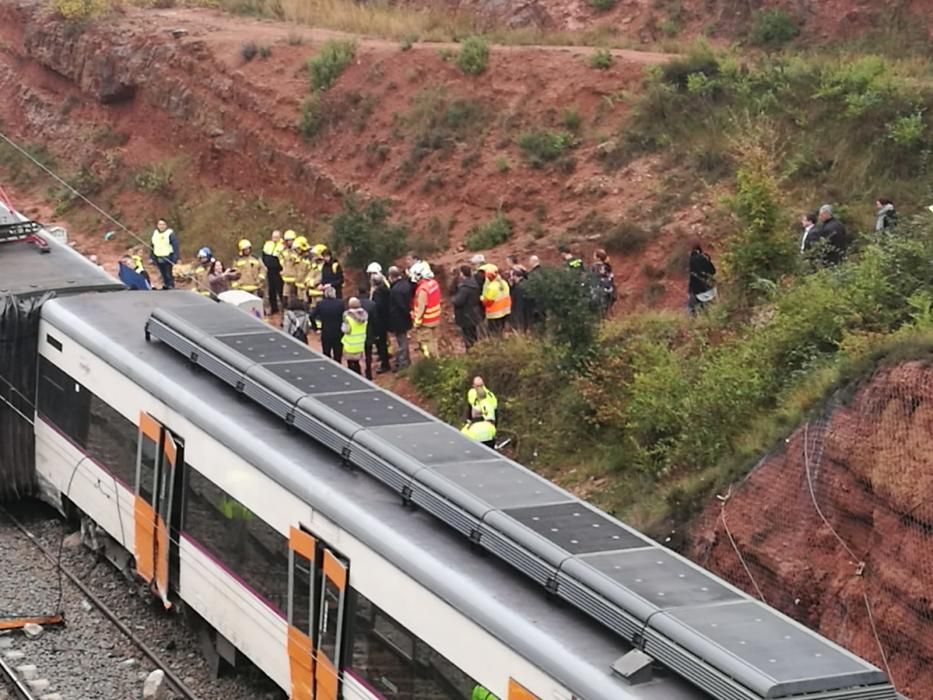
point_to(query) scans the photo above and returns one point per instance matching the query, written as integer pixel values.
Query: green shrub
(699, 59)
(772, 28)
(156, 178)
(408, 41)
(473, 57)
(602, 5)
(265, 52)
(627, 238)
(502, 164)
(248, 50)
(361, 232)
(494, 232)
(601, 59)
(437, 122)
(907, 131)
(543, 146)
(563, 297)
(571, 119)
(332, 60)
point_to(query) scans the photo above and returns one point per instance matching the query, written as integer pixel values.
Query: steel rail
(19, 688)
(170, 675)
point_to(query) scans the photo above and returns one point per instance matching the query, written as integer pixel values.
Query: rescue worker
(480, 693)
(572, 261)
(202, 272)
(496, 298)
(399, 317)
(251, 273)
(482, 431)
(140, 269)
(426, 311)
(482, 404)
(290, 259)
(165, 252)
(468, 309)
(131, 277)
(272, 259)
(302, 263)
(314, 287)
(355, 321)
(331, 272)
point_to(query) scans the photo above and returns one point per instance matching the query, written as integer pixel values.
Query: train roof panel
(25, 272)
(576, 651)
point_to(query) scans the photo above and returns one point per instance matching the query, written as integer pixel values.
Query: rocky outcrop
(836, 529)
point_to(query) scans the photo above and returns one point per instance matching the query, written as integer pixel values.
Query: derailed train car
(350, 545)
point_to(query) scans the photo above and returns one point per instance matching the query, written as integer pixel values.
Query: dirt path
(225, 26)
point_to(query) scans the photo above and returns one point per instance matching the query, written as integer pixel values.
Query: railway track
(178, 686)
(11, 686)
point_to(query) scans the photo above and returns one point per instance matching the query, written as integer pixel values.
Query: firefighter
(203, 271)
(290, 259)
(251, 273)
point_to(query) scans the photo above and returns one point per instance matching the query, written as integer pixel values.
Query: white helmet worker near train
(374, 268)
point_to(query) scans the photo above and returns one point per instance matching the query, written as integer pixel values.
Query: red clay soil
(864, 576)
(174, 85)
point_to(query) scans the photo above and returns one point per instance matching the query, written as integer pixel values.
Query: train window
(147, 464)
(393, 660)
(54, 342)
(237, 538)
(301, 601)
(64, 402)
(330, 613)
(112, 440)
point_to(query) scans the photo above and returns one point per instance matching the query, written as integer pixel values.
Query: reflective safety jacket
(201, 274)
(481, 431)
(164, 245)
(302, 266)
(426, 306)
(313, 280)
(272, 254)
(234, 510)
(291, 261)
(252, 274)
(354, 336)
(485, 407)
(496, 298)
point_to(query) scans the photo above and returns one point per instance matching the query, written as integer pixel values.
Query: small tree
(362, 232)
(473, 56)
(564, 298)
(760, 252)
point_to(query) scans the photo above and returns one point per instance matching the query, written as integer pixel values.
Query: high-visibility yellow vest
(162, 243)
(234, 510)
(486, 405)
(497, 300)
(354, 342)
(271, 247)
(481, 430)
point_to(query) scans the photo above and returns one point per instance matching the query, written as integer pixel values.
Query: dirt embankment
(864, 575)
(171, 89)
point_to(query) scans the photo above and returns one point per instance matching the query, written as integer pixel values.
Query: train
(350, 545)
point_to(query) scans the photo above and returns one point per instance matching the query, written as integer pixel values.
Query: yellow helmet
(319, 249)
(243, 245)
(301, 243)
(290, 235)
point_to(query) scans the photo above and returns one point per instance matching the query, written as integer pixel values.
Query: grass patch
(543, 146)
(494, 232)
(601, 59)
(473, 56)
(773, 28)
(331, 61)
(322, 112)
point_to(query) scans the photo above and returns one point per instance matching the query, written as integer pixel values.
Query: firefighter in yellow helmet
(272, 259)
(314, 287)
(251, 273)
(290, 258)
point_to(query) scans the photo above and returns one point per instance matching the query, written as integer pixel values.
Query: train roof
(575, 650)
(25, 272)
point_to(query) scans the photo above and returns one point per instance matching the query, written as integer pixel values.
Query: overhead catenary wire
(64, 183)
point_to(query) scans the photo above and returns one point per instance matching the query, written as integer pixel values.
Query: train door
(159, 473)
(317, 604)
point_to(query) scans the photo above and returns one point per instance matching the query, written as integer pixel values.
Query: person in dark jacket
(379, 293)
(701, 287)
(369, 306)
(832, 236)
(399, 318)
(329, 315)
(519, 316)
(332, 273)
(271, 252)
(468, 309)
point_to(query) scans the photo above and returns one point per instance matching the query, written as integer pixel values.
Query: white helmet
(427, 273)
(416, 271)
(374, 268)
